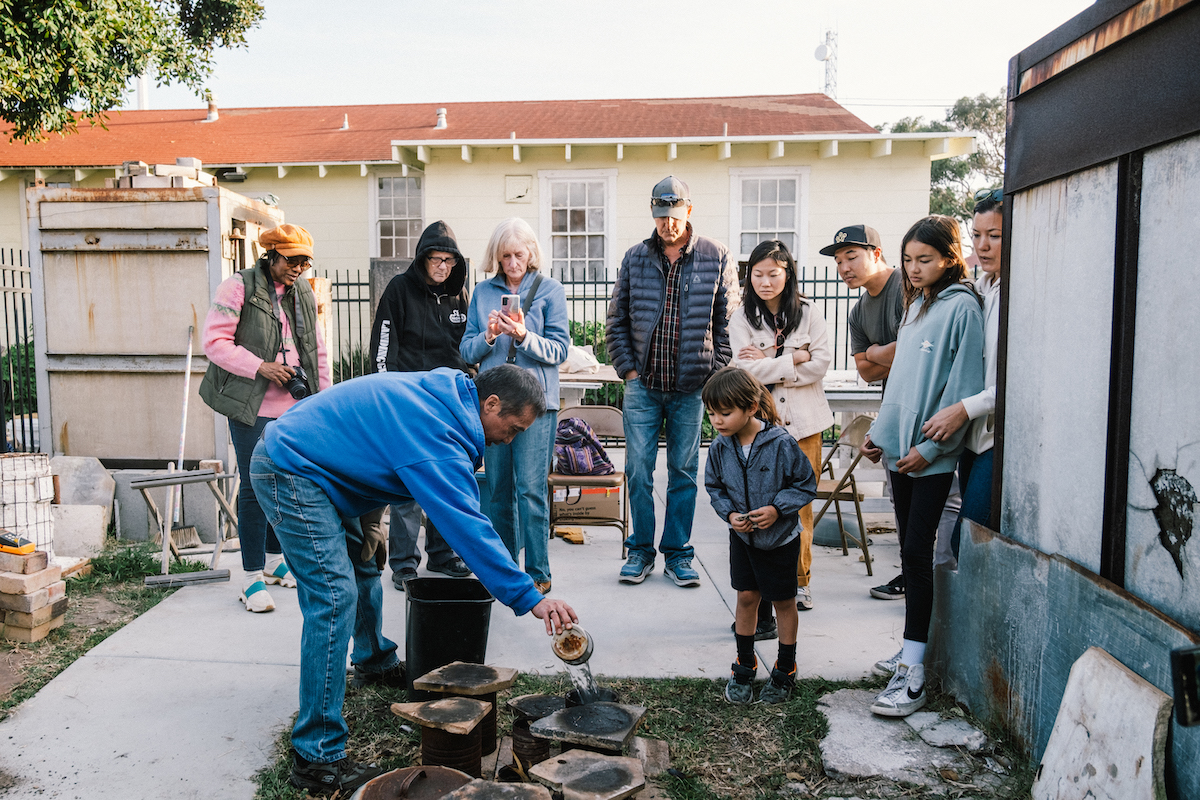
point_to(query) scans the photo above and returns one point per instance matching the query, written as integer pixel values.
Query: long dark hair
(791, 307)
(733, 387)
(942, 234)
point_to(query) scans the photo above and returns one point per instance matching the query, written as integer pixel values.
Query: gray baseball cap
(670, 198)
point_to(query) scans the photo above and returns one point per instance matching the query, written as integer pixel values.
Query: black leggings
(919, 504)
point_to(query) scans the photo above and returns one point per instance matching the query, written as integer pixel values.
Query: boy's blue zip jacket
(775, 473)
(938, 362)
(393, 437)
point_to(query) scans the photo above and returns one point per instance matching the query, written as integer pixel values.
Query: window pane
(386, 228)
(578, 247)
(595, 223)
(595, 194)
(578, 271)
(385, 248)
(416, 184)
(749, 191)
(382, 183)
(578, 220)
(767, 216)
(595, 270)
(578, 194)
(405, 247)
(749, 240)
(558, 220)
(787, 215)
(558, 195)
(558, 244)
(414, 228)
(560, 269)
(770, 191)
(749, 217)
(385, 206)
(790, 240)
(787, 191)
(596, 247)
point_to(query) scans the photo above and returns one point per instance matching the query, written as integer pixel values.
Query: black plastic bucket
(447, 620)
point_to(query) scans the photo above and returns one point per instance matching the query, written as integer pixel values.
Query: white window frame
(373, 202)
(737, 174)
(609, 176)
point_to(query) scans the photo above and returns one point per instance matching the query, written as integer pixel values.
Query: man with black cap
(667, 331)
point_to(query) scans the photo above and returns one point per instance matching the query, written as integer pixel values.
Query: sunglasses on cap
(996, 194)
(668, 201)
(298, 261)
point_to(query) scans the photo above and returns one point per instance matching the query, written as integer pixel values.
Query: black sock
(787, 658)
(745, 650)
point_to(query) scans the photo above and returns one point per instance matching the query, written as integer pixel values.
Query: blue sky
(896, 58)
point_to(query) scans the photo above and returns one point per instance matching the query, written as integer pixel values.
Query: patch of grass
(717, 750)
(121, 563)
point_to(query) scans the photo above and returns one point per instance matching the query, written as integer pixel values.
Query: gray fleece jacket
(776, 473)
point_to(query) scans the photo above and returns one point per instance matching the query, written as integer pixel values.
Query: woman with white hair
(531, 331)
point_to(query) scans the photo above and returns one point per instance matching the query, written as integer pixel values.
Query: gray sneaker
(740, 688)
(905, 693)
(887, 667)
(779, 688)
(636, 569)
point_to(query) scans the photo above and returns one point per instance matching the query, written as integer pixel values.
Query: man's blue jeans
(644, 414)
(520, 508)
(340, 596)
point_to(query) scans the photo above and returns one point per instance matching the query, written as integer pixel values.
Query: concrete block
(15, 583)
(28, 563)
(83, 481)
(1109, 740)
(79, 530)
(199, 507)
(15, 633)
(42, 615)
(940, 732)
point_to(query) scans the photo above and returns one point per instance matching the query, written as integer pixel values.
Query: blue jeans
(520, 511)
(255, 535)
(975, 478)
(340, 597)
(645, 412)
(402, 539)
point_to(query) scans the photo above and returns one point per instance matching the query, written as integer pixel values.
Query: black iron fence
(18, 378)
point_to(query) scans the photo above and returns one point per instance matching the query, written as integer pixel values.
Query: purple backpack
(577, 451)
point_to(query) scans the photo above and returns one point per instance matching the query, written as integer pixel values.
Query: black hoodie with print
(418, 326)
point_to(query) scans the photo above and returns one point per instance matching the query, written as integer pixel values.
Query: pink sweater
(219, 330)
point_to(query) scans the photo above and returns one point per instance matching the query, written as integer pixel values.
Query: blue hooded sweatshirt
(393, 437)
(938, 362)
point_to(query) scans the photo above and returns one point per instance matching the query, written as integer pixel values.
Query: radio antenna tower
(828, 53)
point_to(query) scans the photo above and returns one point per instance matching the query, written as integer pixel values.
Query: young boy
(758, 479)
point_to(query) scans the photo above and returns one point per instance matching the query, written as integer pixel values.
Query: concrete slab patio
(187, 700)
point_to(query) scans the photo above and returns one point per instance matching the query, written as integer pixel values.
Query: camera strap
(298, 316)
(525, 306)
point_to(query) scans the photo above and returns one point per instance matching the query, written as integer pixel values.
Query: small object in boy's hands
(510, 304)
(12, 543)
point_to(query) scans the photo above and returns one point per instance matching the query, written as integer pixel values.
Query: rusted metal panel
(1011, 621)
(113, 239)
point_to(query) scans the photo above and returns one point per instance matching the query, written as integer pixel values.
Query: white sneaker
(277, 572)
(905, 693)
(887, 667)
(803, 599)
(256, 599)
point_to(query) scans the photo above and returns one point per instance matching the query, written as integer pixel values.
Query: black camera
(297, 385)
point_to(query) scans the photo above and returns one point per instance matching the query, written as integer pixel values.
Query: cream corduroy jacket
(799, 396)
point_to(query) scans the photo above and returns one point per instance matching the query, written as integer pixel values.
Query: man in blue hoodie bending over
(391, 437)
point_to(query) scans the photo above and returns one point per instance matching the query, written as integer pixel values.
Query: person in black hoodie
(420, 321)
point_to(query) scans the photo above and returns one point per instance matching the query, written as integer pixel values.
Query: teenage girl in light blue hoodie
(938, 362)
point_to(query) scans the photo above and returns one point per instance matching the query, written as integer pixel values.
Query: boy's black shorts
(772, 572)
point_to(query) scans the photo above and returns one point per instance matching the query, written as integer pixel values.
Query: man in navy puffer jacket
(667, 332)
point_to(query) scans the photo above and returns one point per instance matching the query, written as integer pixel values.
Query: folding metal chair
(836, 490)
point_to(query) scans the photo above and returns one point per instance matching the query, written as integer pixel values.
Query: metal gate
(18, 382)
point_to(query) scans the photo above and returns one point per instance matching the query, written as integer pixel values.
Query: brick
(15, 583)
(26, 564)
(15, 633)
(26, 602)
(56, 590)
(32, 619)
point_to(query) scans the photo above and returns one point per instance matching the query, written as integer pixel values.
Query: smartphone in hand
(510, 304)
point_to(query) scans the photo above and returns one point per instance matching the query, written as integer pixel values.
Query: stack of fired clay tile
(33, 596)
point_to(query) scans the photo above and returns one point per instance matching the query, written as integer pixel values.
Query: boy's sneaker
(682, 573)
(740, 688)
(804, 599)
(779, 688)
(636, 569)
(905, 693)
(765, 629)
(342, 777)
(892, 590)
(887, 667)
(393, 678)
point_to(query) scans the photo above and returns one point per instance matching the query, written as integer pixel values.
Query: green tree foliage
(952, 181)
(66, 60)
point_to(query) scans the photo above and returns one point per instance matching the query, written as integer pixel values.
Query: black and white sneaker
(341, 777)
(892, 590)
(905, 693)
(887, 667)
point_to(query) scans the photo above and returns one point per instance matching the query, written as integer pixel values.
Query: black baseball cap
(670, 198)
(858, 235)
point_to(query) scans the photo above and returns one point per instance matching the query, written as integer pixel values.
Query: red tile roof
(310, 134)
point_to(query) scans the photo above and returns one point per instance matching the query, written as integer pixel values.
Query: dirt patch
(13, 666)
(97, 611)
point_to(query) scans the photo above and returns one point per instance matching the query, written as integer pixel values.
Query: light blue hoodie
(394, 437)
(938, 362)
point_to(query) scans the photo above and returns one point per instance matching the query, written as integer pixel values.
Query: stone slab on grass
(863, 745)
(83, 480)
(947, 732)
(79, 531)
